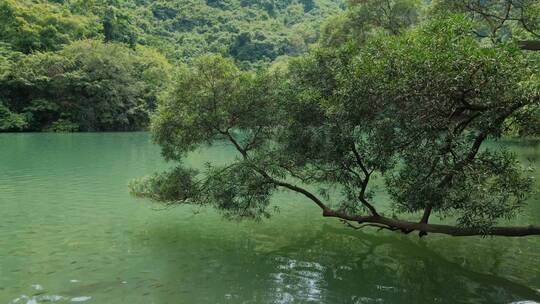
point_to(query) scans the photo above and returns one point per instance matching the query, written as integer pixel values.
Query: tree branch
(407, 227)
(469, 158)
(530, 45)
(365, 181)
(381, 222)
(276, 182)
(359, 160)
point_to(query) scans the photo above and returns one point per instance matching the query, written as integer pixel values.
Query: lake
(71, 233)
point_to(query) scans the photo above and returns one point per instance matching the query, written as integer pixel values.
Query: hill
(99, 65)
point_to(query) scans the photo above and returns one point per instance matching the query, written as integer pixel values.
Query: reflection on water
(49, 298)
(71, 233)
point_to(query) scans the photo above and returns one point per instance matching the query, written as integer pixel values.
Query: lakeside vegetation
(329, 94)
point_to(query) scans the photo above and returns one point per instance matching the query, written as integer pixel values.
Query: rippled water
(70, 233)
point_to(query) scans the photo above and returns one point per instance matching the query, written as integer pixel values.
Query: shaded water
(70, 232)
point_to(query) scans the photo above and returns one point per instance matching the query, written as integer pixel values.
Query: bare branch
(407, 227)
(530, 45)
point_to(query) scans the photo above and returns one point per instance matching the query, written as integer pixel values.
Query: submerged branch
(407, 227)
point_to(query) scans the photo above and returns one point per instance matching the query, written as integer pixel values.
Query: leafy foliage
(57, 75)
(252, 32)
(496, 20)
(10, 120)
(211, 98)
(87, 86)
(413, 109)
(367, 17)
(42, 26)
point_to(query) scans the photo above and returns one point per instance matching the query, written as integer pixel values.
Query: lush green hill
(249, 31)
(94, 65)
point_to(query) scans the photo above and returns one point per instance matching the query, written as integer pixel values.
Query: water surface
(70, 232)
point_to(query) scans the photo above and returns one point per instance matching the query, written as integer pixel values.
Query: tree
(391, 15)
(413, 110)
(117, 27)
(365, 17)
(87, 86)
(9, 120)
(500, 21)
(41, 26)
(496, 20)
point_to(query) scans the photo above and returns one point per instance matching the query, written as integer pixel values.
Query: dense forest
(99, 65)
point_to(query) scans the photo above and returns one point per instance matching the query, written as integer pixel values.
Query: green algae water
(71, 233)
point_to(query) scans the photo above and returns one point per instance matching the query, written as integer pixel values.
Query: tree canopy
(42, 26)
(87, 86)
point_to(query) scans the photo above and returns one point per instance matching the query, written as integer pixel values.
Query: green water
(69, 231)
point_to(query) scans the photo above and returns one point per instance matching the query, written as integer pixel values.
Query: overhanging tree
(413, 110)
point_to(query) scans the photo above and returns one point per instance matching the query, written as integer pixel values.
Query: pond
(71, 233)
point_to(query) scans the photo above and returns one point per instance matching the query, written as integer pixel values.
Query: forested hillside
(77, 65)
(101, 65)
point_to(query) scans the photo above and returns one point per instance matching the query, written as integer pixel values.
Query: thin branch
(526, 26)
(381, 227)
(350, 170)
(469, 158)
(276, 182)
(359, 159)
(253, 141)
(364, 181)
(234, 142)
